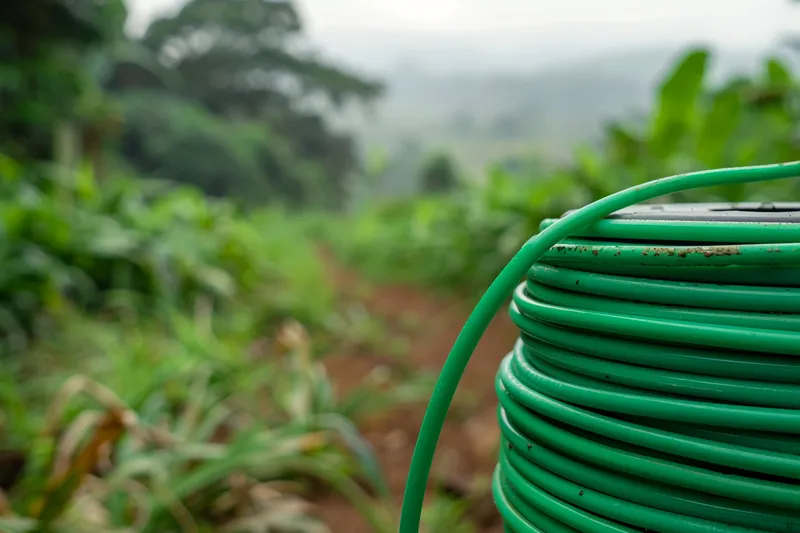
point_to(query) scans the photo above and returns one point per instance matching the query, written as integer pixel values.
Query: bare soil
(467, 449)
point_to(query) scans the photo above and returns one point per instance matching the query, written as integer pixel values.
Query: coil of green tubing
(655, 385)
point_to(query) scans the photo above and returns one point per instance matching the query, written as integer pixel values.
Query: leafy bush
(450, 242)
(69, 240)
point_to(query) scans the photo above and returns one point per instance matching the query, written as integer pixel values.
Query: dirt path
(467, 449)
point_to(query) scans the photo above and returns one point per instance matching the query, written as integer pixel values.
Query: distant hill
(484, 115)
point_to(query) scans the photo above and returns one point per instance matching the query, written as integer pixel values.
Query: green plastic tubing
(655, 385)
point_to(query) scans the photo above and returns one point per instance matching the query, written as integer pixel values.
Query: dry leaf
(67, 478)
(313, 441)
(5, 505)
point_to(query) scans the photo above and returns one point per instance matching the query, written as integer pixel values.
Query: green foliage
(447, 514)
(174, 139)
(678, 100)
(183, 399)
(743, 122)
(452, 242)
(42, 43)
(68, 241)
(462, 240)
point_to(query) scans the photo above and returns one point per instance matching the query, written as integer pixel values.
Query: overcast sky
(371, 32)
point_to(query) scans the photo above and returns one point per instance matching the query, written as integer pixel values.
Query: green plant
(183, 434)
(447, 514)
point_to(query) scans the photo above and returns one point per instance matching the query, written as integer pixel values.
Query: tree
(439, 174)
(247, 60)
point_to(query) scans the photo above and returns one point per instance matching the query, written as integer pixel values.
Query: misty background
(486, 81)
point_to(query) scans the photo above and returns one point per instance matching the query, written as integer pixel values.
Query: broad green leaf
(678, 99)
(778, 73)
(719, 127)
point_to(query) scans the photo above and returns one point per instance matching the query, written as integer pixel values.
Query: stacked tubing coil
(644, 395)
(655, 385)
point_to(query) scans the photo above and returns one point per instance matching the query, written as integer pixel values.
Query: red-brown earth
(467, 450)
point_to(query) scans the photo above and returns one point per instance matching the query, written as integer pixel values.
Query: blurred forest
(199, 323)
(223, 96)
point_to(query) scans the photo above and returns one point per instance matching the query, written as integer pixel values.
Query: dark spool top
(756, 212)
